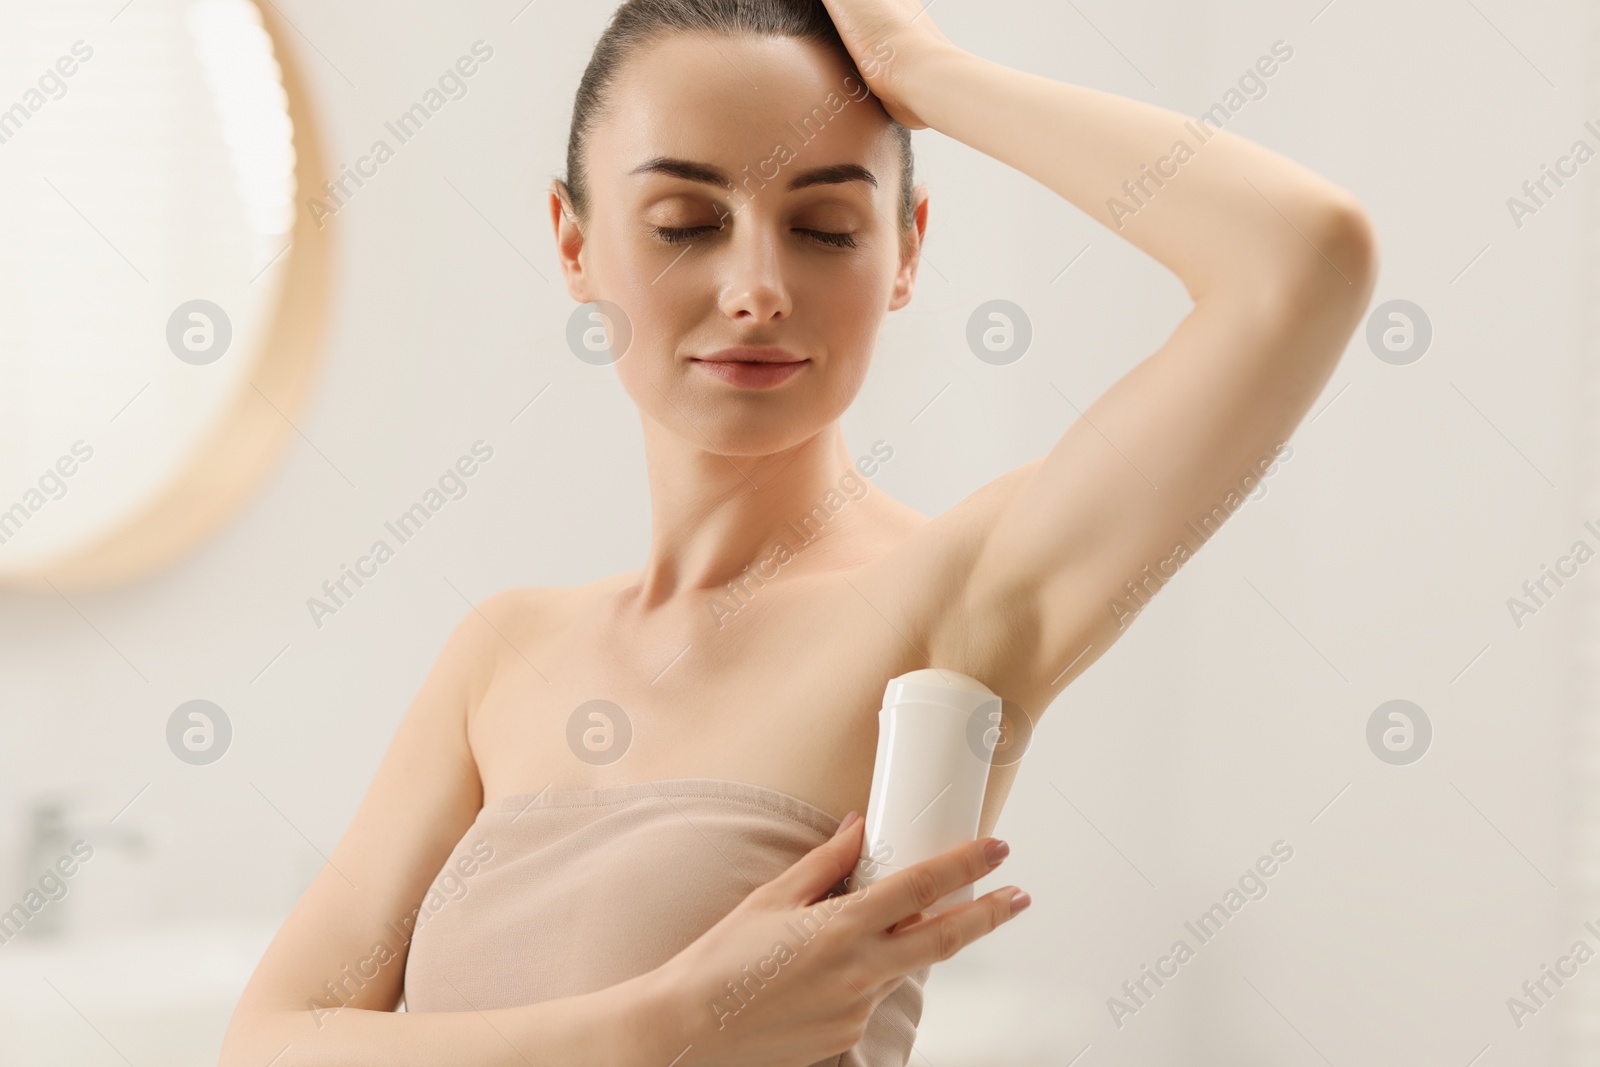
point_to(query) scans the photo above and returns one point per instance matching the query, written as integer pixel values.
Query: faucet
(51, 835)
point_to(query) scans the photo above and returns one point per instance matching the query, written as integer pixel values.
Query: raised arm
(301, 1008)
(1279, 263)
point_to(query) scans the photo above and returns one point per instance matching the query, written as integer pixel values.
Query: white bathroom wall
(1233, 716)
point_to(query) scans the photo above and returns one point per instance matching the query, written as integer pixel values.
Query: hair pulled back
(638, 23)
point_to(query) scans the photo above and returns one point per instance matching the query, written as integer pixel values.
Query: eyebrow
(689, 170)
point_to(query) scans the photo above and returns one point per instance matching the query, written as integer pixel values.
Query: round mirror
(161, 299)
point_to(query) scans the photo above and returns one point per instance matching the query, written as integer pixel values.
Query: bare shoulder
(511, 625)
(531, 611)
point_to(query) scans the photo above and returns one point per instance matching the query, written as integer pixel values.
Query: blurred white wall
(1234, 715)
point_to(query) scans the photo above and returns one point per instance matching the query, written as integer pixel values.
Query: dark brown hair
(641, 22)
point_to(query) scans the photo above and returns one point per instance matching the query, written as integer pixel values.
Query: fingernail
(849, 821)
(1019, 900)
(995, 851)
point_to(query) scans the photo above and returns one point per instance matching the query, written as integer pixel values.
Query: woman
(607, 872)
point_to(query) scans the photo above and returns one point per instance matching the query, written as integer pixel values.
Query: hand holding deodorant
(936, 736)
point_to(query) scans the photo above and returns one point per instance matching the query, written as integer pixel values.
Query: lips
(752, 368)
(751, 355)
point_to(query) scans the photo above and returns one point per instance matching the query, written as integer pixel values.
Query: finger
(937, 938)
(810, 877)
(906, 892)
(909, 920)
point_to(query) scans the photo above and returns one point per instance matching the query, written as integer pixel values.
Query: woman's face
(724, 213)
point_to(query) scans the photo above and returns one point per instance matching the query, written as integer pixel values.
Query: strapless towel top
(566, 892)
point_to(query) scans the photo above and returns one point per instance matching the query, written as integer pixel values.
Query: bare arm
(302, 1008)
(602, 1029)
(1056, 556)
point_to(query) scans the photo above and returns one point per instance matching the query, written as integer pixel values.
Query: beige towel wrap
(570, 891)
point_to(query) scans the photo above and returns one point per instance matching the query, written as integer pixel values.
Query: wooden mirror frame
(226, 468)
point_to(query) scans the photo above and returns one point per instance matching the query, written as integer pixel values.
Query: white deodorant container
(936, 735)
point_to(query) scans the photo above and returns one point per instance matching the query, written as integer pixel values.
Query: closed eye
(679, 234)
(839, 240)
(682, 234)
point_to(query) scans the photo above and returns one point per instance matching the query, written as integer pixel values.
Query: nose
(754, 291)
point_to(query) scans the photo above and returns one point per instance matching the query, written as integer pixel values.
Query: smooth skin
(1011, 585)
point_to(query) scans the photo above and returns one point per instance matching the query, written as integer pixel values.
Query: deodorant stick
(936, 736)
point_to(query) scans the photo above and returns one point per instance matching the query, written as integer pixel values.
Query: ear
(569, 241)
(905, 279)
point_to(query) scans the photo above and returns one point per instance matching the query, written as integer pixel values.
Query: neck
(712, 516)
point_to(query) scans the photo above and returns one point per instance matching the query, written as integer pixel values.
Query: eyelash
(681, 234)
